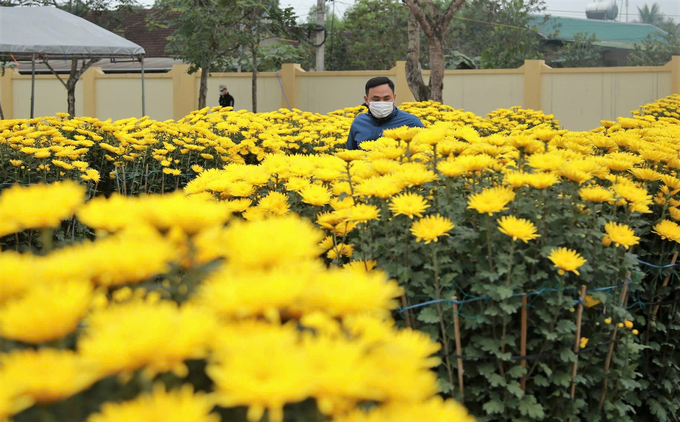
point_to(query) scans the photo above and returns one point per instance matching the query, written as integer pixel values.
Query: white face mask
(380, 109)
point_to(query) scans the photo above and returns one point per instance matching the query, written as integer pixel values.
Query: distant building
(615, 39)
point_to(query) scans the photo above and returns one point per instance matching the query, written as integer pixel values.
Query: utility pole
(320, 35)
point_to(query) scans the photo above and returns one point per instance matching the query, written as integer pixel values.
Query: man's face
(380, 93)
(224, 91)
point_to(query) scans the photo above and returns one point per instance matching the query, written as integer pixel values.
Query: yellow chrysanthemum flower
(275, 203)
(408, 204)
(132, 335)
(590, 301)
(566, 260)
(621, 234)
(40, 205)
(431, 228)
(596, 194)
(517, 228)
(252, 245)
(491, 200)
(380, 186)
(365, 266)
(174, 406)
(542, 180)
(646, 174)
(317, 195)
(362, 213)
(47, 375)
(46, 312)
(668, 230)
(339, 250)
(91, 175)
(433, 410)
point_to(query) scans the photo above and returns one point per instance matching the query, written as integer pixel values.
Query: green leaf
(657, 409)
(493, 407)
(541, 381)
(429, 316)
(516, 371)
(495, 380)
(515, 389)
(530, 407)
(445, 386)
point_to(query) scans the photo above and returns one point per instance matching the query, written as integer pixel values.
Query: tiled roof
(131, 25)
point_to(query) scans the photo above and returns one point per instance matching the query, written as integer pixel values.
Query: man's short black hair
(377, 81)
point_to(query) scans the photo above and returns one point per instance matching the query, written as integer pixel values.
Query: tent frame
(94, 59)
(42, 37)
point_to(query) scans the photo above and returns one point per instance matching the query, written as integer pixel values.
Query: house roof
(49, 31)
(612, 34)
(131, 25)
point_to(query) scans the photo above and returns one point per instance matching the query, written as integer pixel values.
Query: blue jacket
(365, 127)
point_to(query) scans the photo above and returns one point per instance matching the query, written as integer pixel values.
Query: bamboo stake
(122, 169)
(406, 315)
(459, 352)
(577, 341)
(665, 282)
(608, 361)
(117, 181)
(523, 341)
(146, 179)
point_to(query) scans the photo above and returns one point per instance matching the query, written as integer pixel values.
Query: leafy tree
(580, 53)
(262, 20)
(498, 33)
(655, 51)
(203, 35)
(374, 28)
(652, 16)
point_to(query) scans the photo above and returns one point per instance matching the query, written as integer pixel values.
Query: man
(382, 114)
(226, 100)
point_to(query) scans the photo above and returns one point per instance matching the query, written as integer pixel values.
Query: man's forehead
(380, 90)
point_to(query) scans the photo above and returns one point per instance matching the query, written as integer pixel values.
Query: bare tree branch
(451, 10)
(55, 73)
(418, 12)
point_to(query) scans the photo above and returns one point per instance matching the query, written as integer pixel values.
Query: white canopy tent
(49, 33)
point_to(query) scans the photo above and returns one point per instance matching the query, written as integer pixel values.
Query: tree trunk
(203, 89)
(254, 87)
(414, 73)
(71, 88)
(436, 70)
(434, 27)
(70, 84)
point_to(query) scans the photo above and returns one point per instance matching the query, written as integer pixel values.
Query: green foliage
(655, 51)
(498, 33)
(579, 53)
(203, 30)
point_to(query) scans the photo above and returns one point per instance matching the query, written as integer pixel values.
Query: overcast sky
(570, 8)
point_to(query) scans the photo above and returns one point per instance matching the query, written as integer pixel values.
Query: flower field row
(537, 258)
(141, 155)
